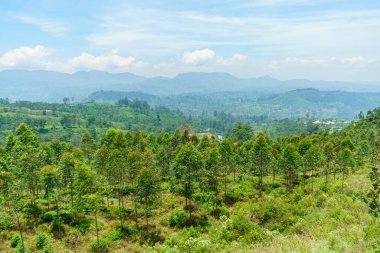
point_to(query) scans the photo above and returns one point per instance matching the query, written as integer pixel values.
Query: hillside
(291, 104)
(67, 122)
(303, 193)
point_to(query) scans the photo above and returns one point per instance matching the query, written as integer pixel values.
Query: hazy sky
(314, 39)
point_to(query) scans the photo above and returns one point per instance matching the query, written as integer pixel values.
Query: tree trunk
(20, 231)
(96, 223)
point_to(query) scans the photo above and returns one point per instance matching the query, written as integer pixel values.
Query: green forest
(145, 185)
(68, 122)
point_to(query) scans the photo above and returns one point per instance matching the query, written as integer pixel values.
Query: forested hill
(67, 122)
(141, 192)
(291, 104)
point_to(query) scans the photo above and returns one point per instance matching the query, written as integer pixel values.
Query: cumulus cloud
(200, 57)
(111, 62)
(40, 57)
(197, 57)
(25, 57)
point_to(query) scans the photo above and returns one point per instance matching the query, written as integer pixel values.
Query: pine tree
(290, 163)
(187, 168)
(261, 155)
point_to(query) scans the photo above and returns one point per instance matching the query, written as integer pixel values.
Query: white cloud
(234, 59)
(40, 57)
(111, 62)
(198, 56)
(25, 57)
(44, 25)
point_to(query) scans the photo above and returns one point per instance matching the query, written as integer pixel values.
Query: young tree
(313, 160)
(328, 151)
(212, 173)
(147, 190)
(261, 155)
(50, 178)
(363, 151)
(290, 163)
(88, 146)
(187, 167)
(68, 172)
(346, 161)
(117, 171)
(374, 194)
(226, 152)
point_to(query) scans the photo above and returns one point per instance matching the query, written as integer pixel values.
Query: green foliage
(99, 246)
(179, 180)
(241, 132)
(41, 240)
(114, 235)
(178, 219)
(6, 221)
(15, 240)
(21, 249)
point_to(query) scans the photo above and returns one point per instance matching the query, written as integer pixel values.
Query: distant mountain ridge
(295, 103)
(52, 86)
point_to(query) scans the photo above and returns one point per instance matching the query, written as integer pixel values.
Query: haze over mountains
(53, 86)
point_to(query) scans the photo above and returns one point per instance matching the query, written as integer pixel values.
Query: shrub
(49, 216)
(83, 226)
(47, 249)
(178, 219)
(231, 198)
(219, 212)
(57, 228)
(197, 245)
(21, 249)
(66, 217)
(15, 239)
(114, 235)
(6, 221)
(126, 230)
(41, 240)
(99, 246)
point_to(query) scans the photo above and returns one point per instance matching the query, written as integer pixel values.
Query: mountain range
(54, 86)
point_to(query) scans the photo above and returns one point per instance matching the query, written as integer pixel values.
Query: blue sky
(286, 39)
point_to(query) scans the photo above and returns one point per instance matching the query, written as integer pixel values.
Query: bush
(83, 226)
(47, 249)
(219, 212)
(178, 219)
(6, 221)
(49, 216)
(57, 228)
(21, 249)
(66, 217)
(15, 239)
(114, 235)
(127, 230)
(231, 198)
(99, 246)
(41, 240)
(197, 245)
